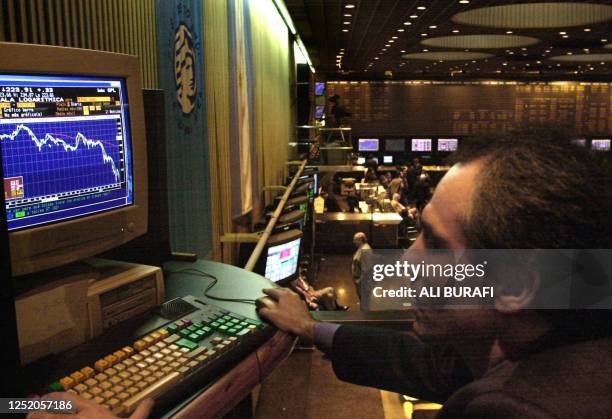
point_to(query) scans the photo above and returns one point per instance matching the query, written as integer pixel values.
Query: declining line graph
(61, 156)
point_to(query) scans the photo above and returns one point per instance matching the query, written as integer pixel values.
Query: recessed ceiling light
(350, 6)
(403, 51)
(603, 40)
(421, 7)
(407, 23)
(384, 49)
(565, 36)
(562, 33)
(376, 58)
(347, 23)
(347, 15)
(400, 30)
(464, 1)
(344, 30)
(455, 30)
(413, 16)
(432, 26)
(523, 49)
(387, 45)
(569, 53)
(394, 37)
(423, 34)
(538, 62)
(511, 53)
(587, 29)
(504, 64)
(509, 32)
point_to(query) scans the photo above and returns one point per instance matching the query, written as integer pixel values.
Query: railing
(261, 243)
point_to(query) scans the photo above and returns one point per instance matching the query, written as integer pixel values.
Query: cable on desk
(197, 272)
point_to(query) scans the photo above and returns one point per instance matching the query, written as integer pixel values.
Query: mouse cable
(197, 272)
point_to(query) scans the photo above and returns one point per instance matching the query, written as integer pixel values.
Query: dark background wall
(468, 108)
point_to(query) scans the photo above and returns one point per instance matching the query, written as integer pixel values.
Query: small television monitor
(319, 111)
(600, 144)
(421, 144)
(580, 142)
(361, 160)
(448, 144)
(282, 256)
(319, 88)
(74, 153)
(368, 144)
(387, 159)
(395, 145)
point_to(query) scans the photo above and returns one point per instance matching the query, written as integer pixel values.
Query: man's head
(520, 192)
(396, 197)
(359, 239)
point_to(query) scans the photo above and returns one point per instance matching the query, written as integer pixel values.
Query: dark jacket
(559, 380)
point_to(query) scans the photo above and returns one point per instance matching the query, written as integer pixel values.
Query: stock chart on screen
(66, 148)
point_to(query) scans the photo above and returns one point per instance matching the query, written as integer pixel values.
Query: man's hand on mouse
(289, 313)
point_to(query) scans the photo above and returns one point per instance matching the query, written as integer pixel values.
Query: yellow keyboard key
(111, 359)
(101, 365)
(67, 383)
(77, 377)
(140, 345)
(120, 355)
(87, 372)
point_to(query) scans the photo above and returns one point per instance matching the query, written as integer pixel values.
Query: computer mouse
(267, 302)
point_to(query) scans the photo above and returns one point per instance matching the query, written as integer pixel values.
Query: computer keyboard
(186, 351)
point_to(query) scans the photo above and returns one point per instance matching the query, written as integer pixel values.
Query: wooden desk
(335, 230)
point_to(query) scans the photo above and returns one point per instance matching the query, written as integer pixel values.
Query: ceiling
(378, 39)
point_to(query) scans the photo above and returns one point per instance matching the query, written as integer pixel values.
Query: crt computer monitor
(368, 144)
(600, 144)
(387, 159)
(282, 256)
(448, 144)
(421, 144)
(395, 145)
(74, 153)
(361, 160)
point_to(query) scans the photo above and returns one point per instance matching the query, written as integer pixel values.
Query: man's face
(442, 228)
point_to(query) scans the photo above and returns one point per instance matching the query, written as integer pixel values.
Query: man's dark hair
(538, 191)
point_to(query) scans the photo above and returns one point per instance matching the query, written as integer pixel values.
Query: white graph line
(67, 147)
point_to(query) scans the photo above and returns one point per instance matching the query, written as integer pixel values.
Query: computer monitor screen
(421, 144)
(319, 88)
(282, 260)
(368, 144)
(600, 144)
(447, 144)
(74, 150)
(361, 160)
(580, 142)
(395, 144)
(387, 159)
(319, 111)
(66, 147)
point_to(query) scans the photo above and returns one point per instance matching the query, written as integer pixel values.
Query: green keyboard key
(184, 333)
(55, 387)
(201, 333)
(235, 321)
(215, 325)
(192, 328)
(243, 324)
(223, 328)
(194, 337)
(222, 320)
(173, 328)
(186, 343)
(233, 331)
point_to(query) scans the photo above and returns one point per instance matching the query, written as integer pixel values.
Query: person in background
(337, 110)
(360, 240)
(396, 185)
(422, 192)
(322, 299)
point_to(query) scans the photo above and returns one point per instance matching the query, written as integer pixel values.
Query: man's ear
(519, 295)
